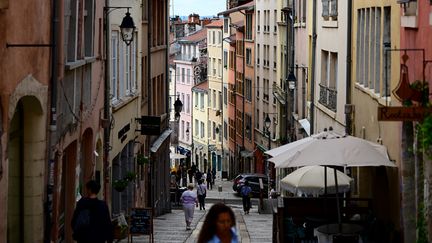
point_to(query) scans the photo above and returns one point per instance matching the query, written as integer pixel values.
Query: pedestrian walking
(198, 175)
(202, 193)
(214, 175)
(246, 191)
(191, 175)
(219, 226)
(209, 180)
(91, 221)
(189, 201)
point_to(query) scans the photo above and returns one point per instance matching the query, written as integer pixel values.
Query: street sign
(397, 113)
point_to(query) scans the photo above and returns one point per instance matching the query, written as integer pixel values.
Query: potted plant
(120, 185)
(130, 176)
(141, 159)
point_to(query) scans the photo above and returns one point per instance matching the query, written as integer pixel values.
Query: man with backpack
(245, 192)
(91, 221)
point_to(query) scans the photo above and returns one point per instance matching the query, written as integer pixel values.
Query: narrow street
(253, 227)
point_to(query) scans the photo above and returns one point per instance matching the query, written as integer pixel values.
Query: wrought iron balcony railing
(328, 97)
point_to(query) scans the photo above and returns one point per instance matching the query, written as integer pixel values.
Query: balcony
(328, 97)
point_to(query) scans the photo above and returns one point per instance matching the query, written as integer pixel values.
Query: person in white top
(189, 200)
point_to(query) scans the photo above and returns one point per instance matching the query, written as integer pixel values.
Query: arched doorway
(26, 171)
(87, 162)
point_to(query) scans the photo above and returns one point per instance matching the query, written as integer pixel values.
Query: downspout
(53, 125)
(243, 90)
(149, 102)
(293, 91)
(312, 82)
(107, 119)
(222, 102)
(167, 167)
(348, 120)
(286, 76)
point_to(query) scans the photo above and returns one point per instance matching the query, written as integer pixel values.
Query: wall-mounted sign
(150, 125)
(402, 113)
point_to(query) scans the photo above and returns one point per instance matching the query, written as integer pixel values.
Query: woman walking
(189, 200)
(202, 193)
(219, 226)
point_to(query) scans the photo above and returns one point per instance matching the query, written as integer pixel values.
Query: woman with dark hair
(219, 226)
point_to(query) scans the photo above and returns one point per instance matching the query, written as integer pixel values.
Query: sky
(201, 7)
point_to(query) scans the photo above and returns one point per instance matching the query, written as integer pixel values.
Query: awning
(306, 125)
(160, 140)
(279, 98)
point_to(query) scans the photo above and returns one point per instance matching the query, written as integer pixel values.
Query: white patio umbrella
(310, 180)
(330, 148)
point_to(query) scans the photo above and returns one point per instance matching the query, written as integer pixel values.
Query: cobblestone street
(254, 227)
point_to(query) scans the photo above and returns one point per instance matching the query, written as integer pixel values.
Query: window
(225, 94)
(114, 63)
(202, 101)
(188, 104)
(187, 128)
(188, 75)
(214, 131)
(248, 56)
(274, 57)
(182, 132)
(214, 66)
(329, 9)
(183, 75)
(257, 87)
(248, 26)
(275, 21)
(214, 37)
(196, 127)
(226, 26)
(177, 74)
(220, 100)
(127, 70)
(257, 119)
(202, 130)
(248, 123)
(239, 49)
(258, 21)
(209, 100)
(231, 60)
(72, 35)
(196, 100)
(328, 84)
(219, 68)
(258, 54)
(371, 72)
(266, 90)
(225, 132)
(88, 28)
(248, 84)
(214, 99)
(121, 76)
(225, 59)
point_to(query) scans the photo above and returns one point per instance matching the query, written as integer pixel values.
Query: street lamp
(178, 107)
(127, 28)
(187, 132)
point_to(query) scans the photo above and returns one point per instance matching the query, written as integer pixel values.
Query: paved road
(252, 228)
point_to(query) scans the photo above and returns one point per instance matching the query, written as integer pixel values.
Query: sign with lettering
(140, 221)
(151, 125)
(396, 113)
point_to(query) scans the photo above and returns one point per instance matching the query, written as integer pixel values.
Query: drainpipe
(149, 101)
(314, 37)
(348, 112)
(107, 119)
(53, 125)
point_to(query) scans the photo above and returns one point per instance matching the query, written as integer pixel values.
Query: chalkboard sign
(140, 221)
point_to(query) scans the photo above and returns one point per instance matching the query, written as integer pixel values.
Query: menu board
(140, 221)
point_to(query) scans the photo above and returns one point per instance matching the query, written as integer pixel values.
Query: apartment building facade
(201, 127)
(215, 87)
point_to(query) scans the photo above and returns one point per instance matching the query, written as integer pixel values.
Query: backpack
(246, 190)
(82, 224)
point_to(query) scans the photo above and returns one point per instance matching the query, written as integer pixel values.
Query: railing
(328, 97)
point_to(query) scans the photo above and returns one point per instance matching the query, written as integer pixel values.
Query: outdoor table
(325, 233)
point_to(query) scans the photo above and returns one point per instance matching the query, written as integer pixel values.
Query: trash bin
(220, 188)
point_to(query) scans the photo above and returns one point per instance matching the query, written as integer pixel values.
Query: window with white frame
(188, 76)
(258, 21)
(249, 30)
(202, 101)
(182, 130)
(214, 99)
(187, 103)
(225, 59)
(248, 89)
(89, 28)
(183, 75)
(329, 9)
(196, 127)
(121, 76)
(226, 25)
(114, 65)
(202, 130)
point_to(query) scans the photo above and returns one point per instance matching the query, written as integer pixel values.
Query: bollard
(220, 188)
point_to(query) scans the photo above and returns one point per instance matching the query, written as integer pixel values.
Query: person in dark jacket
(94, 226)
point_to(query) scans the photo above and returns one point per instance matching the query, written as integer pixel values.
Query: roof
(216, 24)
(247, 6)
(201, 87)
(196, 36)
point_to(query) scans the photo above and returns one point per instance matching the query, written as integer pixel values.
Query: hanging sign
(396, 113)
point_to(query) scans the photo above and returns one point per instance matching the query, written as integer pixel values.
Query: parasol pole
(337, 200)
